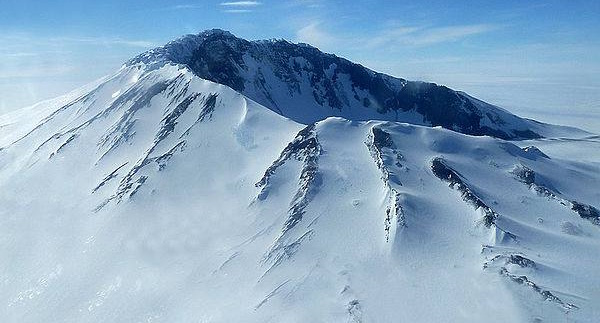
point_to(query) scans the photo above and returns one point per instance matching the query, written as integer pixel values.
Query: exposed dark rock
(528, 176)
(394, 210)
(137, 184)
(209, 104)
(521, 261)
(283, 251)
(218, 56)
(129, 186)
(108, 177)
(308, 185)
(533, 152)
(444, 172)
(500, 261)
(118, 137)
(162, 160)
(524, 174)
(271, 294)
(545, 294)
(123, 130)
(354, 311)
(377, 141)
(167, 127)
(169, 121)
(304, 148)
(585, 211)
(81, 99)
(61, 147)
(381, 138)
(518, 260)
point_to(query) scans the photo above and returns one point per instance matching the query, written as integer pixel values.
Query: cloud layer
(239, 6)
(415, 36)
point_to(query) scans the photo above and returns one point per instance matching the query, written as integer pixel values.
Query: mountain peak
(307, 85)
(215, 32)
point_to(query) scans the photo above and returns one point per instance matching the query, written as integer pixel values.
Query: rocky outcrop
(445, 173)
(306, 149)
(380, 142)
(527, 176)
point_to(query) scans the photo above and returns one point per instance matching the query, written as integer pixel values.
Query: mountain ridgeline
(307, 85)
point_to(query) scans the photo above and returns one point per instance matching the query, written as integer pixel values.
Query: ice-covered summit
(304, 84)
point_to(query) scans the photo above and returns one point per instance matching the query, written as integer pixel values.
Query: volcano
(216, 179)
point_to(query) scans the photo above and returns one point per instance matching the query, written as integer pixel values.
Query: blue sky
(537, 58)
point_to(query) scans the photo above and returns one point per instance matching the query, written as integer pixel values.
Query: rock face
(307, 85)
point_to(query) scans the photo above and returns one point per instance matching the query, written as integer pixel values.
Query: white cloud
(37, 70)
(232, 6)
(425, 36)
(316, 34)
(312, 4)
(187, 6)
(35, 67)
(237, 10)
(313, 34)
(239, 6)
(449, 34)
(241, 3)
(390, 35)
(21, 40)
(106, 41)
(17, 54)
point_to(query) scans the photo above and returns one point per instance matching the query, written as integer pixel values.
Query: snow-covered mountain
(211, 180)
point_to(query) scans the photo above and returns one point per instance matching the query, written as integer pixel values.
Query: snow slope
(159, 196)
